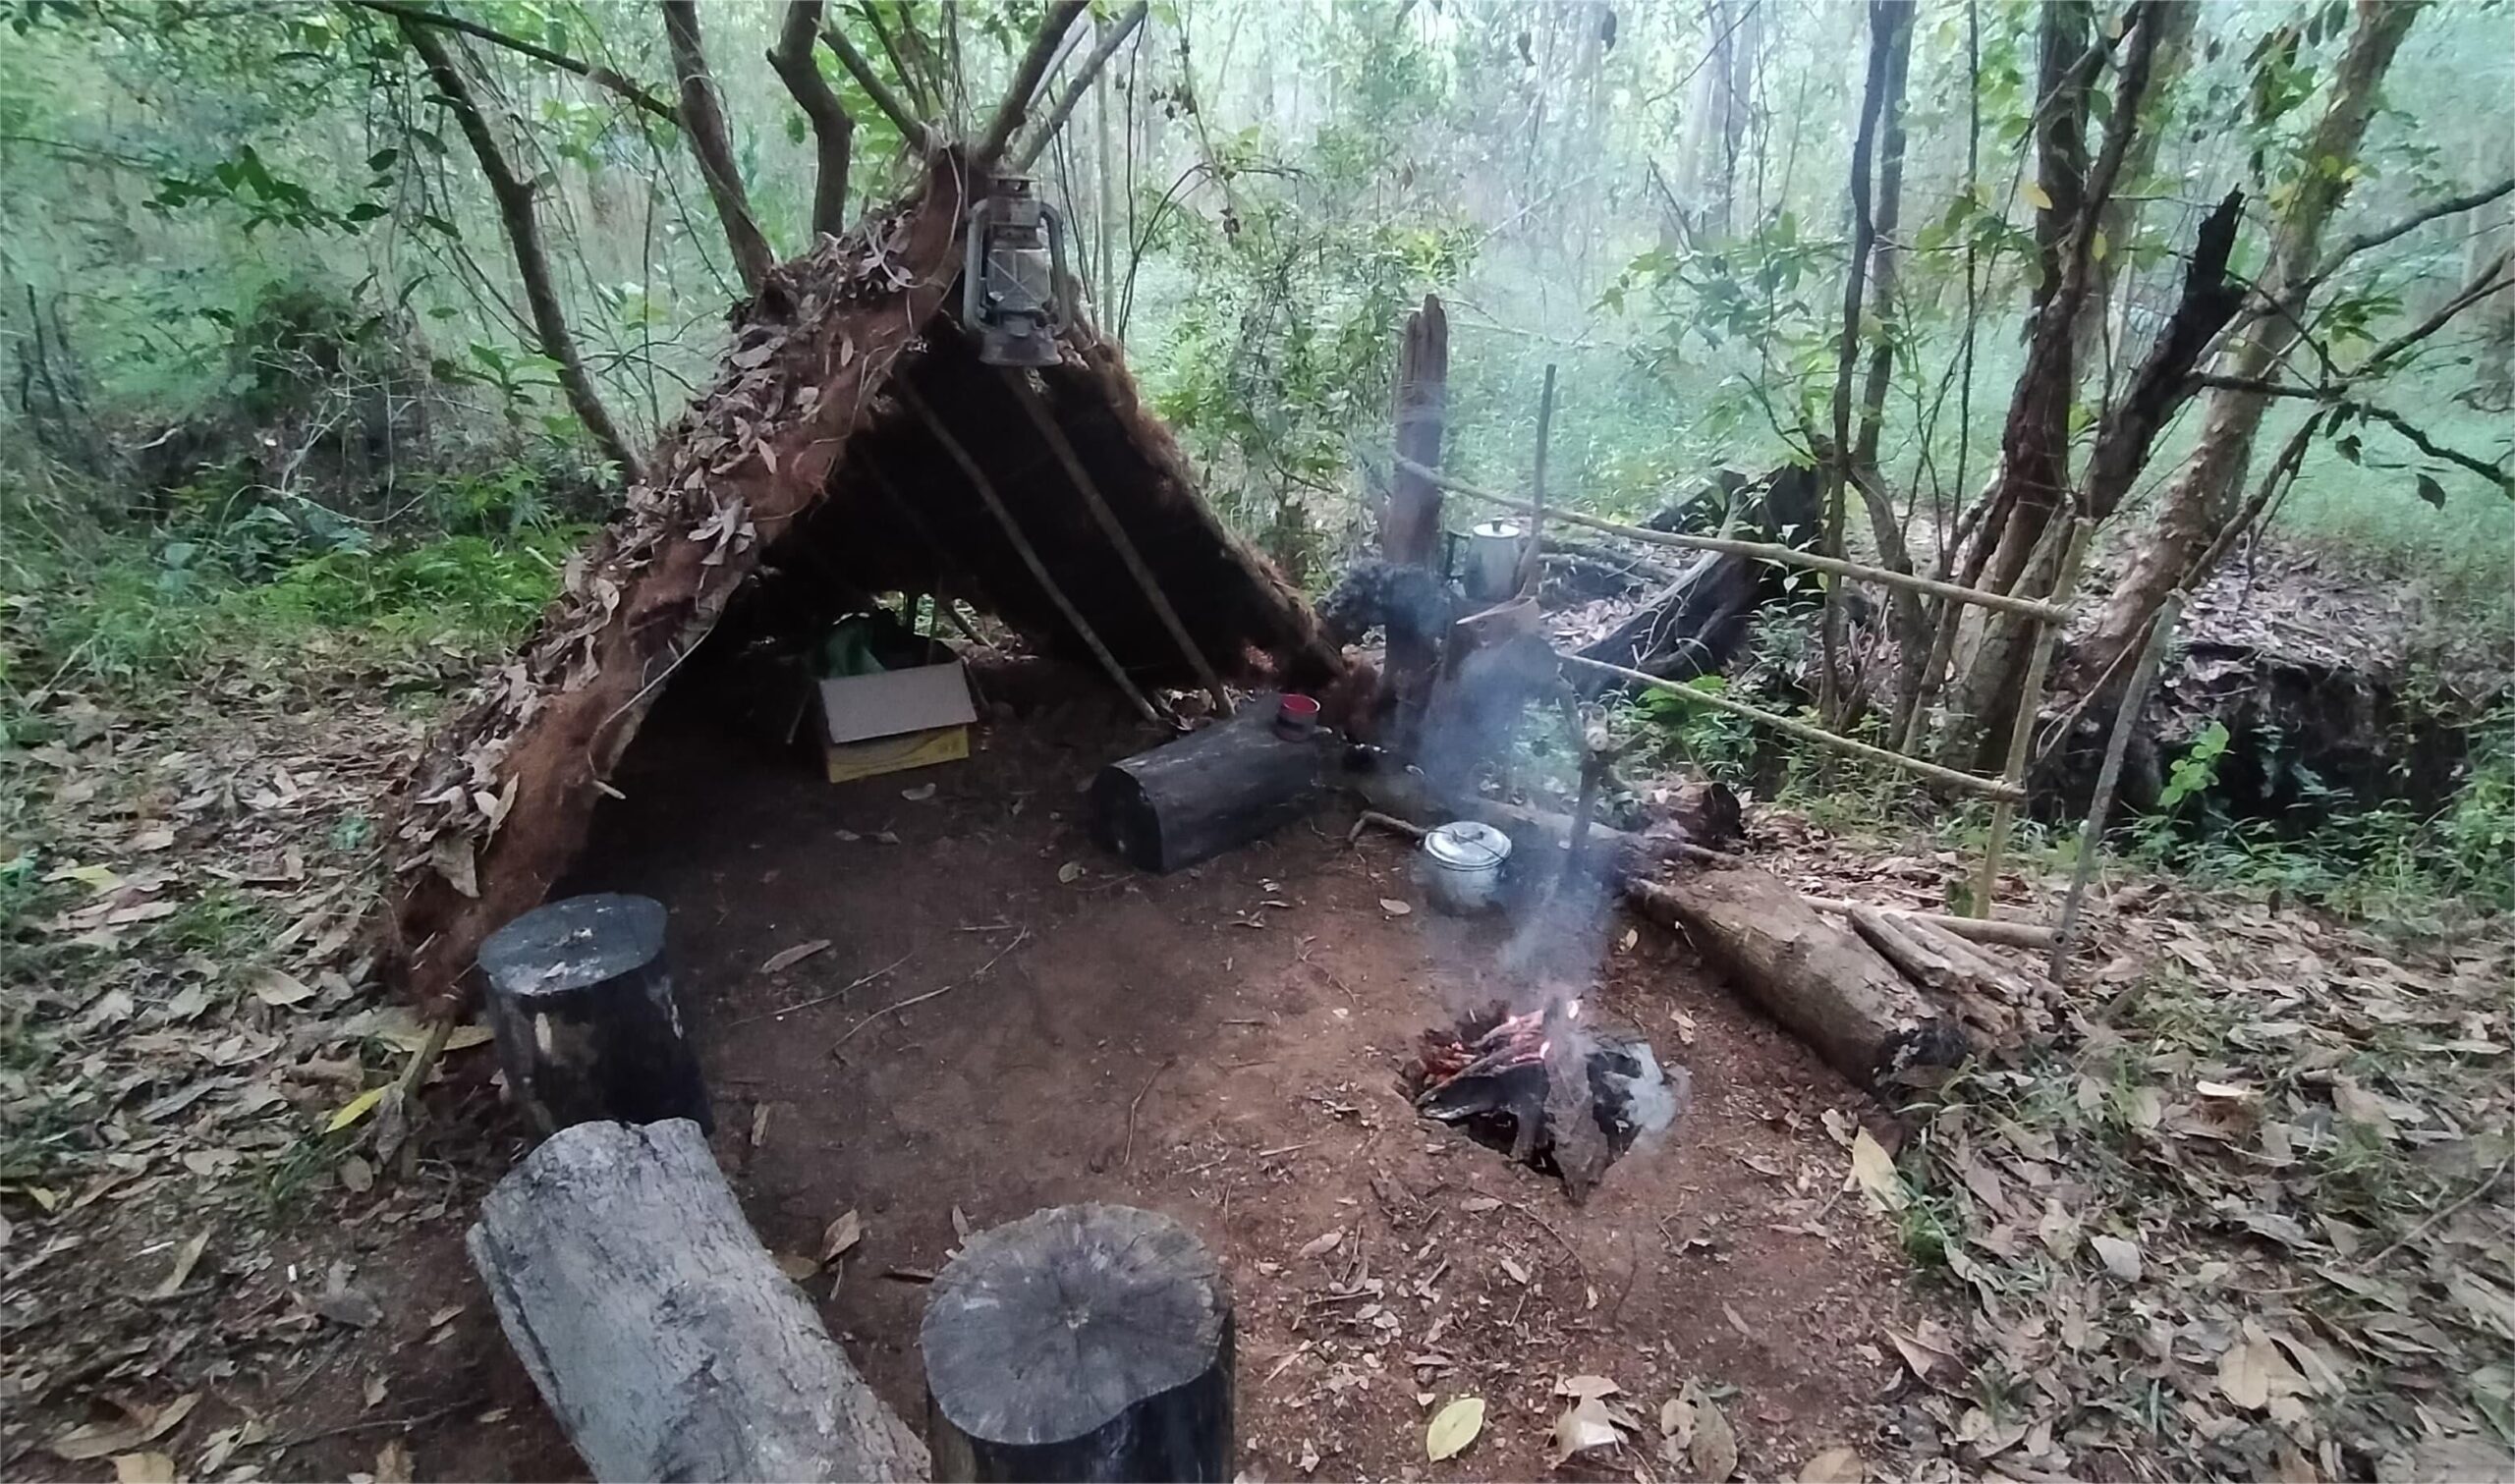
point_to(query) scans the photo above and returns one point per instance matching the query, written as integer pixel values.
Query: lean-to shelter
(854, 441)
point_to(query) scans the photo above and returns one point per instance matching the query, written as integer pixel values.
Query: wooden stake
(2117, 745)
(1531, 572)
(2005, 792)
(1977, 929)
(2030, 705)
(1058, 444)
(2003, 603)
(1022, 546)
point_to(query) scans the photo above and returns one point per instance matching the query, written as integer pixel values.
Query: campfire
(1556, 1095)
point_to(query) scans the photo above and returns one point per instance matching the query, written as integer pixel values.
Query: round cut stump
(581, 1004)
(1084, 1342)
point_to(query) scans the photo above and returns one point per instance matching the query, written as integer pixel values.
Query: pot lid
(1467, 845)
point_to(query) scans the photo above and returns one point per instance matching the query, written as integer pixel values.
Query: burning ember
(1495, 1074)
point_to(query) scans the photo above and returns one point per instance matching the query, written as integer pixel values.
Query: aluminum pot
(1460, 866)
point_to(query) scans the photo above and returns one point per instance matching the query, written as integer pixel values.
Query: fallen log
(1191, 800)
(1820, 982)
(664, 1340)
(1693, 626)
(1089, 1342)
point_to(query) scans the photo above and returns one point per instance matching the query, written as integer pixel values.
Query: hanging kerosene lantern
(1016, 259)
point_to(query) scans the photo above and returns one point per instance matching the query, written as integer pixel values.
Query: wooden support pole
(666, 1342)
(1111, 37)
(2117, 745)
(1088, 1342)
(1137, 568)
(1022, 546)
(2000, 601)
(2030, 706)
(2006, 792)
(1531, 572)
(582, 1008)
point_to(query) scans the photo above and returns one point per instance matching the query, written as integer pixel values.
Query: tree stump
(1084, 1342)
(662, 1336)
(1195, 797)
(581, 1006)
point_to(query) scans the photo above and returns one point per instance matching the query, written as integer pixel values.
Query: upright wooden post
(1532, 558)
(2030, 706)
(1410, 526)
(582, 1008)
(2126, 717)
(1086, 1343)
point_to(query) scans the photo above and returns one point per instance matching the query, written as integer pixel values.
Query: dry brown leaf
(393, 1464)
(841, 1235)
(2120, 1258)
(1587, 1386)
(787, 958)
(1323, 1244)
(1394, 906)
(143, 1469)
(1834, 1465)
(794, 1265)
(186, 1257)
(97, 1439)
(2253, 1371)
(279, 988)
(1584, 1425)
(1714, 1449)
(1873, 1170)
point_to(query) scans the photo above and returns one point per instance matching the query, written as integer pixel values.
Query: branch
(2450, 207)
(405, 12)
(920, 135)
(2257, 387)
(704, 120)
(1082, 82)
(523, 235)
(2493, 472)
(833, 131)
(1025, 81)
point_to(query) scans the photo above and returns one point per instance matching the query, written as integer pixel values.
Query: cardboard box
(898, 718)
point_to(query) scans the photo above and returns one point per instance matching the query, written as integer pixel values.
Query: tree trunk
(513, 196)
(2199, 504)
(664, 1340)
(703, 119)
(1907, 622)
(2119, 218)
(2033, 486)
(1695, 624)
(1089, 1342)
(1886, 18)
(833, 130)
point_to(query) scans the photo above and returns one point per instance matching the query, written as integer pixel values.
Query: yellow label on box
(847, 761)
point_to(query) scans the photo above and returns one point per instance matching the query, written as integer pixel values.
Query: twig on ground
(1544, 1225)
(1017, 940)
(2487, 1182)
(820, 1000)
(414, 1419)
(1129, 1154)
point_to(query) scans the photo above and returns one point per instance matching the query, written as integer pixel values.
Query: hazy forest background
(271, 375)
(328, 332)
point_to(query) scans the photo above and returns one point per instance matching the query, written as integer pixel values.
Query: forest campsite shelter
(854, 443)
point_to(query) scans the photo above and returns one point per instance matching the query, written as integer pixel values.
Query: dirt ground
(1224, 1045)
